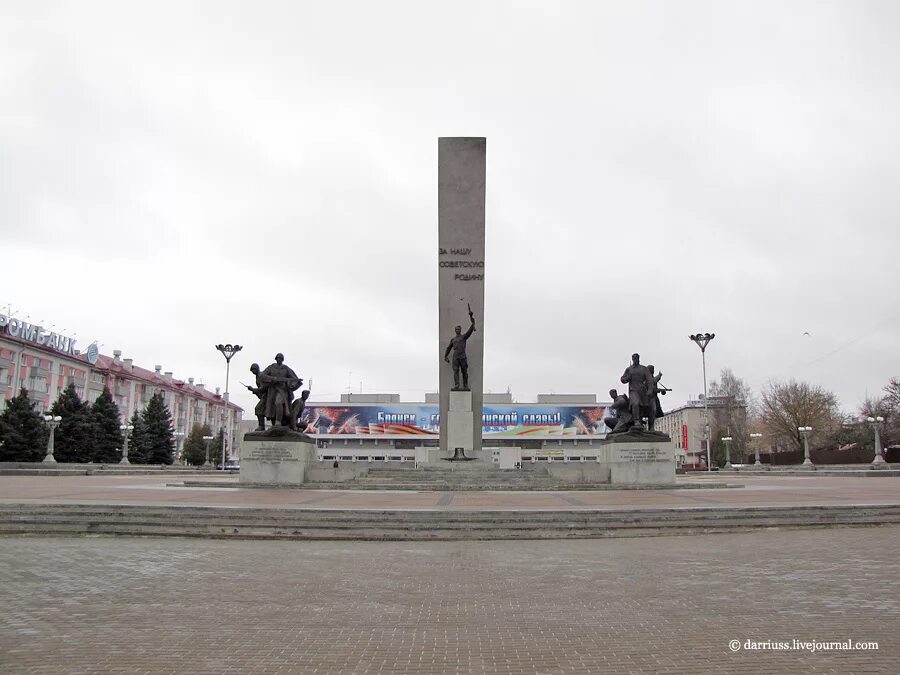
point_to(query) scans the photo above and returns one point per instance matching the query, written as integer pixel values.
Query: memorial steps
(418, 525)
(467, 477)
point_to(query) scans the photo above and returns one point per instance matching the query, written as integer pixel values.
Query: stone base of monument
(638, 458)
(277, 456)
(460, 432)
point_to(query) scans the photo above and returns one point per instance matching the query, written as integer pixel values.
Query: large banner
(424, 420)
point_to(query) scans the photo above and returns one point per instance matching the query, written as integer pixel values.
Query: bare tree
(892, 394)
(889, 408)
(731, 406)
(786, 406)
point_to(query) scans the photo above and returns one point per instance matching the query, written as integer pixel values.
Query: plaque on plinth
(277, 456)
(639, 457)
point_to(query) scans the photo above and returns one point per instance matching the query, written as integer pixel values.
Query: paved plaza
(750, 491)
(670, 604)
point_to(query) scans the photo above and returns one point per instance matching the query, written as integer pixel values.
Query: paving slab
(756, 490)
(672, 605)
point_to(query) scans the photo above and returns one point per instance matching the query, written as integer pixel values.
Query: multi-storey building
(687, 427)
(381, 428)
(45, 363)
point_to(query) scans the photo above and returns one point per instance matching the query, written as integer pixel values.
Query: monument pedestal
(459, 424)
(276, 457)
(639, 459)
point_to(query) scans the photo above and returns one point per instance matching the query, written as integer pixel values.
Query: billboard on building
(424, 420)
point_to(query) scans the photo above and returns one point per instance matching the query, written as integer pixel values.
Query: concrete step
(399, 525)
(462, 486)
(67, 469)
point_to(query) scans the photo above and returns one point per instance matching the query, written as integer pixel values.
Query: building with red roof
(45, 363)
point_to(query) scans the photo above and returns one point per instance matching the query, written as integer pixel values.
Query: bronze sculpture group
(642, 401)
(275, 387)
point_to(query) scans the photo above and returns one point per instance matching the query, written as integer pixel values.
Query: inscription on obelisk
(461, 178)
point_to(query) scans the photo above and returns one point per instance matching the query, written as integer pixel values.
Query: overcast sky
(174, 175)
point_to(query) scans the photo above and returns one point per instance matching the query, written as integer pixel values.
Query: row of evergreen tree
(87, 433)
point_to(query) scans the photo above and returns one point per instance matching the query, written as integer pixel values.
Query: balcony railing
(37, 386)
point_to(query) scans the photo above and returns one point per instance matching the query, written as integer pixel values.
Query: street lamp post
(228, 351)
(727, 441)
(875, 421)
(126, 429)
(754, 438)
(702, 340)
(805, 432)
(179, 436)
(207, 439)
(53, 421)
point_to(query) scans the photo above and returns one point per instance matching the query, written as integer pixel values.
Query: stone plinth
(459, 426)
(639, 459)
(276, 460)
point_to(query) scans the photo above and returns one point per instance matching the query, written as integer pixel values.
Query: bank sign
(36, 334)
(497, 421)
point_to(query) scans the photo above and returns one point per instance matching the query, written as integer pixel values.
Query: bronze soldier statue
(280, 383)
(458, 347)
(640, 391)
(260, 392)
(618, 418)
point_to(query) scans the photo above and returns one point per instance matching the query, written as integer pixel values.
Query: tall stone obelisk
(461, 181)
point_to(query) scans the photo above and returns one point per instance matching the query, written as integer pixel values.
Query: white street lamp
(875, 421)
(754, 438)
(126, 432)
(805, 432)
(53, 421)
(702, 340)
(228, 351)
(727, 441)
(207, 439)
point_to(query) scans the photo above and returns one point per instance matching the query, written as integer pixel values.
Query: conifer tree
(74, 438)
(194, 452)
(159, 439)
(137, 446)
(22, 431)
(107, 435)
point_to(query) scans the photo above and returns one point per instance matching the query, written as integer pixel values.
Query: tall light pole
(207, 439)
(875, 421)
(754, 438)
(805, 432)
(53, 421)
(726, 440)
(228, 351)
(702, 340)
(126, 429)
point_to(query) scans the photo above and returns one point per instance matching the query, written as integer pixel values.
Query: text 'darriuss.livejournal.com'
(802, 645)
